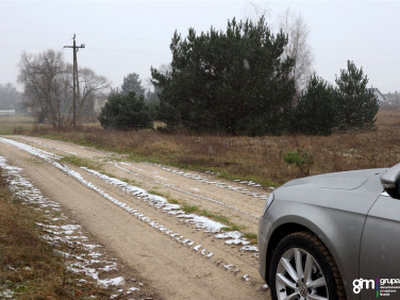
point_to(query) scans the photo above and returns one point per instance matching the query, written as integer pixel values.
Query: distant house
(99, 104)
(381, 98)
(7, 112)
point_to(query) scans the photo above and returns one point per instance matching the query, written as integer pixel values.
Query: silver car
(333, 236)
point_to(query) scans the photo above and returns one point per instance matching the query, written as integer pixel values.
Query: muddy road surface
(156, 219)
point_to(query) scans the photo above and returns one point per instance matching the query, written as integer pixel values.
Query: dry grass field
(252, 158)
(15, 124)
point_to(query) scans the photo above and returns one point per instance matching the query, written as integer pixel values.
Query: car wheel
(303, 268)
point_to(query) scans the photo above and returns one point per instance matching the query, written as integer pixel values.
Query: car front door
(380, 251)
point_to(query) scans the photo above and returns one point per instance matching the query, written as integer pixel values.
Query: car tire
(301, 265)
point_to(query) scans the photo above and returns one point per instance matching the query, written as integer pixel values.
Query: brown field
(253, 158)
(15, 124)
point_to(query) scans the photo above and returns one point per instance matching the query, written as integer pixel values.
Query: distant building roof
(7, 112)
(378, 94)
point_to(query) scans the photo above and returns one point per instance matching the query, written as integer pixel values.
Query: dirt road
(182, 255)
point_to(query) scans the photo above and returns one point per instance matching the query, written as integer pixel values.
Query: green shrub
(300, 158)
(125, 112)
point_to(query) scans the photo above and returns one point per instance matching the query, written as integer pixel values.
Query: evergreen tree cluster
(322, 108)
(240, 82)
(236, 81)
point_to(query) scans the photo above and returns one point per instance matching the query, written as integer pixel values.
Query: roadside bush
(301, 158)
(125, 112)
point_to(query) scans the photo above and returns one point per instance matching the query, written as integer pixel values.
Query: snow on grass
(204, 223)
(35, 151)
(7, 294)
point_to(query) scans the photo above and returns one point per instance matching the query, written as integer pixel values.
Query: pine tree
(235, 81)
(316, 111)
(132, 83)
(125, 112)
(356, 105)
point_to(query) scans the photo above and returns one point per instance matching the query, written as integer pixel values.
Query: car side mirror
(390, 181)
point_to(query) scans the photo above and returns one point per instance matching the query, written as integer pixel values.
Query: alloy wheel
(299, 276)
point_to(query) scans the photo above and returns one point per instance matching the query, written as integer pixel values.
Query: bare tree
(93, 87)
(255, 11)
(298, 48)
(45, 83)
(48, 91)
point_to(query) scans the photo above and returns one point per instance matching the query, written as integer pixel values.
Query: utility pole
(75, 76)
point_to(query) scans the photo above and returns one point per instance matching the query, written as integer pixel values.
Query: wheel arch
(280, 233)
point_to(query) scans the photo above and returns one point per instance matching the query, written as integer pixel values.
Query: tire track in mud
(171, 186)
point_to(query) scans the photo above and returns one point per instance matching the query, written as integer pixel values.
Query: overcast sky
(122, 37)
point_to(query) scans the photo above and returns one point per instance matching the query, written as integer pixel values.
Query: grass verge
(81, 162)
(222, 219)
(15, 124)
